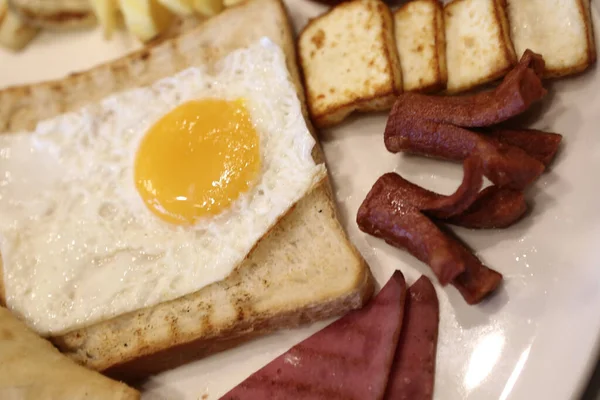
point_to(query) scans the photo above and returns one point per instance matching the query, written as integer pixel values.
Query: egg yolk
(197, 159)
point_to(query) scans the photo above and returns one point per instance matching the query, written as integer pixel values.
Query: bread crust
(382, 99)
(158, 338)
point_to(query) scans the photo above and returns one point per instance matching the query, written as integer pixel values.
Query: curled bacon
(520, 88)
(503, 164)
(434, 126)
(394, 210)
(494, 207)
(538, 144)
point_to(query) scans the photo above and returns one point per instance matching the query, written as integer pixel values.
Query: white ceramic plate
(535, 339)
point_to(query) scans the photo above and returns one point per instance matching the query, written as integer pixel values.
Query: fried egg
(152, 193)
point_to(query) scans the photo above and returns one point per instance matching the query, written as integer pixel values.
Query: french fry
(106, 12)
(145, 19)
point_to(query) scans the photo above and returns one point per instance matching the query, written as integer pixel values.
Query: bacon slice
(503, 164)
(349, 359)
(413, 370)
(477, 281)
(520, 88)
(494, 207)
(538, 144)
(392, 211)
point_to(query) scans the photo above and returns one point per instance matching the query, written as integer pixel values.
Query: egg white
(79, 246)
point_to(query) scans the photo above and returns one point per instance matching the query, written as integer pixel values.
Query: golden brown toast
(350, 61)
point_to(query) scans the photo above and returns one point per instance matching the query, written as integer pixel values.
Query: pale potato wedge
(145, 19)
(106, 11)
(179, 7)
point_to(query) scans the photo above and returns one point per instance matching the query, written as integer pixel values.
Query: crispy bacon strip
(520, 88)
(435, 204)
(478, 280)
(503, 164)
(349, 359)
(538, 144)
(494, 207)
(413, 370)
(393, 211)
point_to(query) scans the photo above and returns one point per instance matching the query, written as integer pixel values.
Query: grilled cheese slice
(350, 61)
(478, 45)
(420, 38)
(560, 30)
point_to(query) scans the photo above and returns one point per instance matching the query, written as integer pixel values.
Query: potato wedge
(14, 32)
(106, 12)
(179, 7)
(145, 19)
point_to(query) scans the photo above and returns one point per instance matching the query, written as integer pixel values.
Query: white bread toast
(55, 14)
(421, 43)
(304, 270)
(31, 368)
(349, 60)
(478, 45)
(560, 30)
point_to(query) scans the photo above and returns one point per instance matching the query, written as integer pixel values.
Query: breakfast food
(443, 117)
(396, 210)
(494, 207)
(145, 19)
(349, 359)
(303, 270)
(421, 43)
(135, 168)
(55, 14)
(520, 88)
(538, 144)
(350, 61)
(413, 370)
(106, 11)
(14, 32)
(31, 368)
(408, 216)
(560, 30)
(478, 45)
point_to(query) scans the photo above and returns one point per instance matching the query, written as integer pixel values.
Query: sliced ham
(413, 370)
(349, 359)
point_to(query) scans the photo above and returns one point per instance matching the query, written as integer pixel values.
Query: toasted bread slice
(31, 368)
(55, 14)
(350, 61)
(421, 42)
(14, 32)
(304, 270)
(478, 44)
(559, 30)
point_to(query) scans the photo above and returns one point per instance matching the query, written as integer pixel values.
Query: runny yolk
(197, 159)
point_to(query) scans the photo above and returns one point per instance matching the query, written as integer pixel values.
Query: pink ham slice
(413, 370)
(349, 359)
